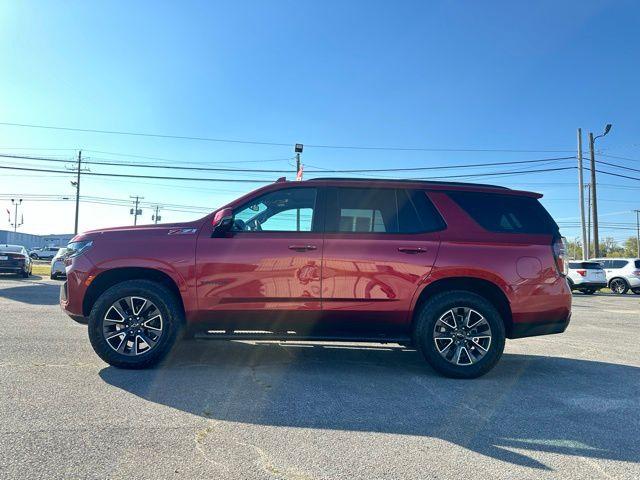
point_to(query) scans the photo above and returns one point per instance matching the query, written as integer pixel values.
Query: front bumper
(64, 301)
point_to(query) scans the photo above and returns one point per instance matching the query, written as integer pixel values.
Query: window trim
(316, 221)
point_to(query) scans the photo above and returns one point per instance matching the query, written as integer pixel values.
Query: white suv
(586, 277)
(622, 274)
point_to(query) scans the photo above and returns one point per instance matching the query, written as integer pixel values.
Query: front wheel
(460, 334)
(619, 286)
(134, 324)
(636, 291)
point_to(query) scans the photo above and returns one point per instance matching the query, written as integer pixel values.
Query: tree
(631, 247)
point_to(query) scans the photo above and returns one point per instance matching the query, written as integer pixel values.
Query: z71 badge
(182, 231)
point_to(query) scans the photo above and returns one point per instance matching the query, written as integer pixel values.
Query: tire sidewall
(618, 279)
(166, 304)
(434, 308)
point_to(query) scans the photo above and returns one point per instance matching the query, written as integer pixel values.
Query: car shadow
(527, 403)
(31, 291)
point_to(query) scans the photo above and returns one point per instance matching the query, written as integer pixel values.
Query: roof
(427, 184)
(408, 180)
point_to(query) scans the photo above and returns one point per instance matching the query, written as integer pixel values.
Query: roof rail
(408, 180)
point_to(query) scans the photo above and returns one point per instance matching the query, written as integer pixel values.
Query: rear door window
(585, 265)
(416, 213)
(361, 210)
(380, 210)
(618, 263)
(506, 213)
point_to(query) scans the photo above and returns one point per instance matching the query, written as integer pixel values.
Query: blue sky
(479, 75)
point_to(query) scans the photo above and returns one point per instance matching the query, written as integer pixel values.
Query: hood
(178, 228)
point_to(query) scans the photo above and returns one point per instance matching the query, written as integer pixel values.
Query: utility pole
(298, 150)
(75, 230)
(638, 232)
(588, 187)
(135, 211)
(594, 197)
(156, 217)
(585, 251)
(15, 215)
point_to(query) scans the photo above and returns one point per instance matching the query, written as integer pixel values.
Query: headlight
(76, 248)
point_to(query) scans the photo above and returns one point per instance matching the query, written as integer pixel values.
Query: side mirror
(222, 221)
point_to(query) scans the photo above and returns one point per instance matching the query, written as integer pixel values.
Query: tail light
(559, 252)
(636, 273)
(582, 273)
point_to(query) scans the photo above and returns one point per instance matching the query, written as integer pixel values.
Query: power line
(279, 144)
(122, 175)
(324, 170)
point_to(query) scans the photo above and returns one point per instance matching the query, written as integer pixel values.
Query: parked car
(43, 253)
(450, 268)
(15, 259)
(586, 277)
(623, 274)
(57, 265)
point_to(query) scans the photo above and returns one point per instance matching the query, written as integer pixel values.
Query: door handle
(412, 250)
(302, 248)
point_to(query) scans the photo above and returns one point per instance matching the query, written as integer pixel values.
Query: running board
(285, 336)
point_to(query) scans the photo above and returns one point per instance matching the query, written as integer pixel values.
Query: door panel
(266, 274)
(375, 256)
(368, 283)
(257, 271)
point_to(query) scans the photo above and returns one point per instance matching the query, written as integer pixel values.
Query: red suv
(452, 269)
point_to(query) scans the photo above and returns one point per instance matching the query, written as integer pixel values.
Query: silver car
(623, 274)
(43, 253)
(57, 265)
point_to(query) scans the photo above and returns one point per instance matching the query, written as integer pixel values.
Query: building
(30, 241)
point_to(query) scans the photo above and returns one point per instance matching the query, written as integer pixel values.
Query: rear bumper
(583, 285)
(521, 330)
(11, 269)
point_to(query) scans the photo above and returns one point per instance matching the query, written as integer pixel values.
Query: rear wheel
(460, 334)
(134, 324)
(619, 286)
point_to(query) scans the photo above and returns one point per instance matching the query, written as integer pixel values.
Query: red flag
(299, 174)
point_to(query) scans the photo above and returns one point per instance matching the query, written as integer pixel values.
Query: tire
(439, 308)
(619, 285)
(130, 352)
(25, 273)
(34, 256)
(54, 276)
(588, 291)
(636, 291)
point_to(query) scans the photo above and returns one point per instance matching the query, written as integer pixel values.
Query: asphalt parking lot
(563, 406)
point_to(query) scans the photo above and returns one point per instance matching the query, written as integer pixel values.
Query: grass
(42, 270)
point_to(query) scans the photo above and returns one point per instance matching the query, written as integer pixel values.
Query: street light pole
(594, 195)
(15, 215)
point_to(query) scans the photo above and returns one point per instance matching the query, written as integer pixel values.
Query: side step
(293, 336)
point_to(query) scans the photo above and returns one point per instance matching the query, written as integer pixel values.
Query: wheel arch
(485, 288)
(112, 277)
(618, 278)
